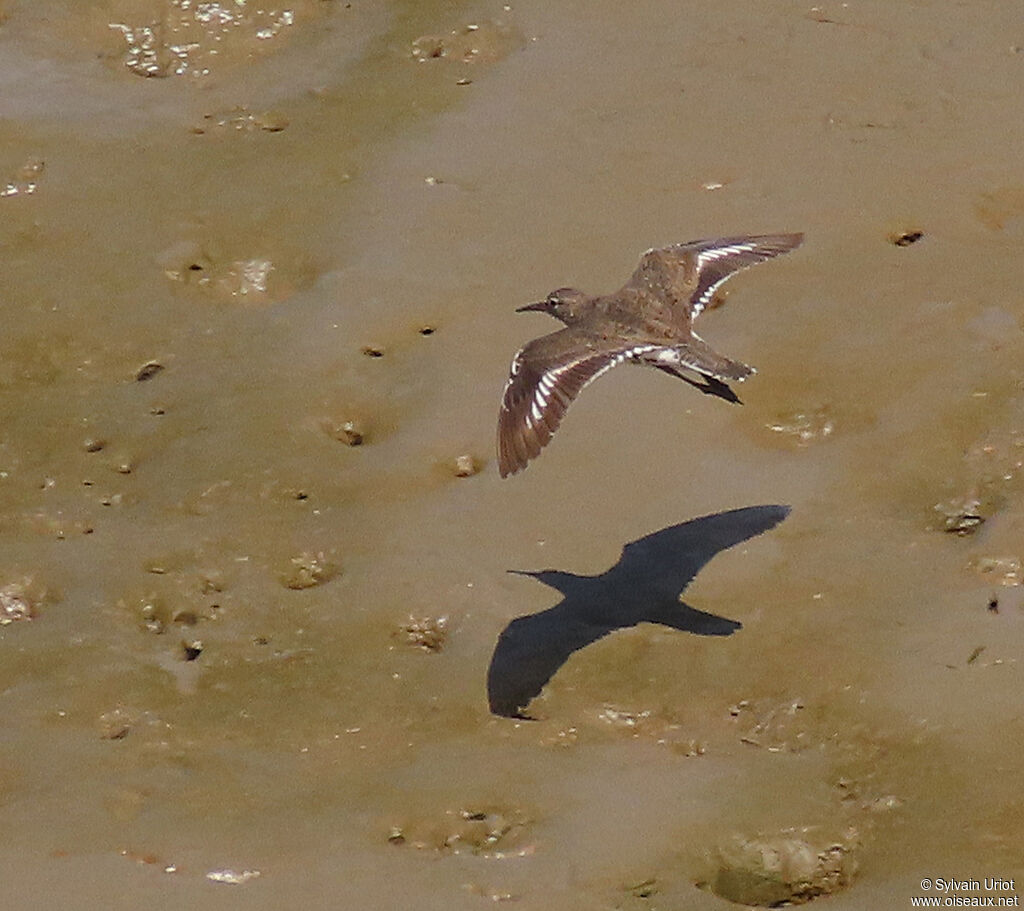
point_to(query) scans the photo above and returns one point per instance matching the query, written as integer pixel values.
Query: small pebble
(961, 515)
(350, 433)
(906, 238)
(147, 371)
(465, 466)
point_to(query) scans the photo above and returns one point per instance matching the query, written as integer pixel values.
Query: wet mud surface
(260, 273)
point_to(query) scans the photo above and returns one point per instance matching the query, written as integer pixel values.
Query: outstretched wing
(687, 275)
(546, 375)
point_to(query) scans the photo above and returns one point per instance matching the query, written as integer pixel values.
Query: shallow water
(332, 187)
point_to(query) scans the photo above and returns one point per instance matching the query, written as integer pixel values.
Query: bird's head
(566, 304)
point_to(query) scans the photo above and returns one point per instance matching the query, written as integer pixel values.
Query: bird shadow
(642, 587)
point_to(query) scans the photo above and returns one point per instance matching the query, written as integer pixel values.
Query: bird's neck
(555, 578)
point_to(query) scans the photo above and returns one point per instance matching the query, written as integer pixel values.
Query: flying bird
(649, 320)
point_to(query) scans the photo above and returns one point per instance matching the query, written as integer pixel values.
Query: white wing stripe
(546, 384)
(707, 256)
(709, 292)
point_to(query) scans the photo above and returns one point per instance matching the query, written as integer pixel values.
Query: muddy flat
(260, 270)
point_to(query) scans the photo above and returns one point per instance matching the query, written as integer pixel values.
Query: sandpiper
(647, 321)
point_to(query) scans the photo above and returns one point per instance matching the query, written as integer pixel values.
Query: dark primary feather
(715, 271)
(690, 273)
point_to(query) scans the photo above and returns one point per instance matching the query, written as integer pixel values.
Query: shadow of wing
(531, 649)
(529, 652)
(667, 561)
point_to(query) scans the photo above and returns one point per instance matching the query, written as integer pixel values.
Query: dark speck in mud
(191, 650)
(373, 351)
(427, 330)
(906, 238)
